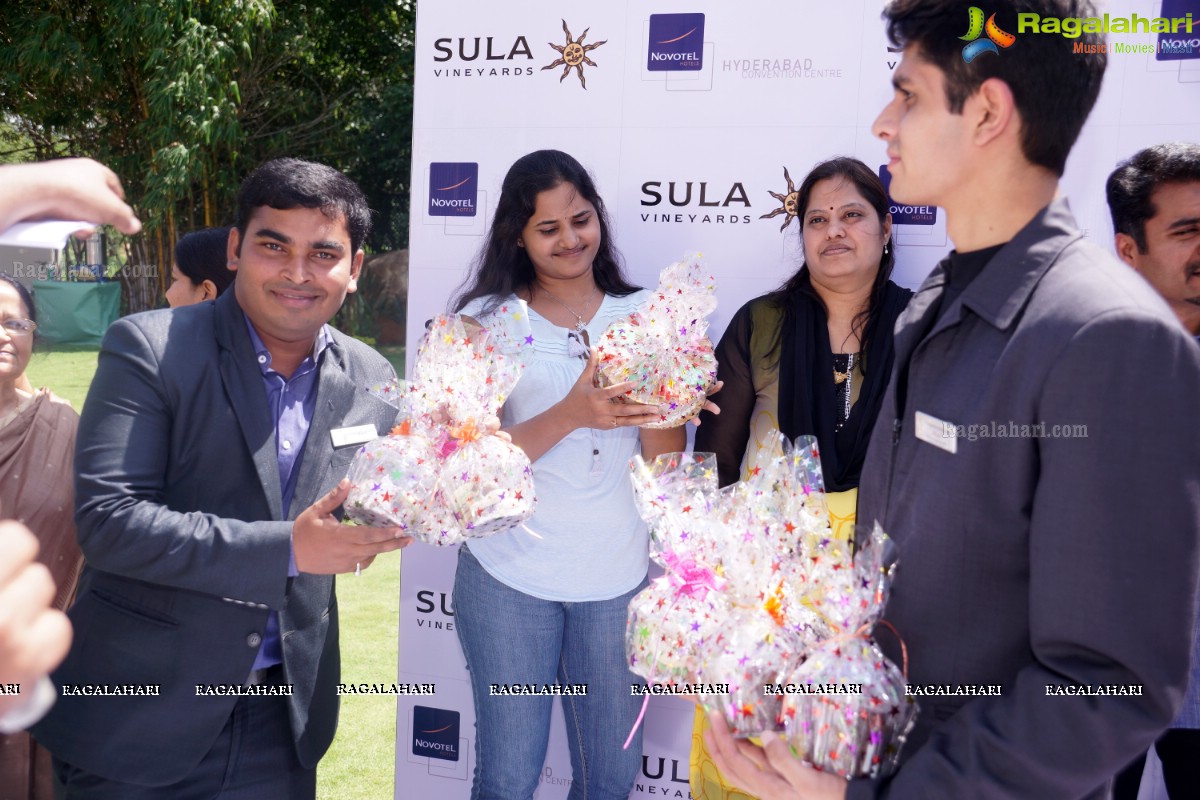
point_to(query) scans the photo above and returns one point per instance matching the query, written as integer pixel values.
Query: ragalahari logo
(573, 55)
(452, 188)
(996, 38)
(435, 733)
(676, 43)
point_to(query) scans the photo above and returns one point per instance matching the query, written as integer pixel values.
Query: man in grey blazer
(1035, 456)
(209, 461)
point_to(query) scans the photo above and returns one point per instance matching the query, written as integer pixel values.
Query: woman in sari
(37, 445)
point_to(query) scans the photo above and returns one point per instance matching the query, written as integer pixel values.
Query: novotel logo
(452, 188)
(435, 733)
(676, 43)
(906, 215)
(1179, 45)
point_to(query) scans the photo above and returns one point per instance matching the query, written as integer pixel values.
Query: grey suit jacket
(178, 507)
(1037, 557)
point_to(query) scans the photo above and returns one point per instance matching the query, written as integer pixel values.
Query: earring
(885, 247)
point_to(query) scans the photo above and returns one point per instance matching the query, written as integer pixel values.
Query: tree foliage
(183, 98)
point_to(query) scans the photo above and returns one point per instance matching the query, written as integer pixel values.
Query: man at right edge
(1034, 459)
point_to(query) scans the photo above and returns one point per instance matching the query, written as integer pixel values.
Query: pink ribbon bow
(689, 578)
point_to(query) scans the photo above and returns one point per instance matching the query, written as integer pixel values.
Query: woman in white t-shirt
(544, 604)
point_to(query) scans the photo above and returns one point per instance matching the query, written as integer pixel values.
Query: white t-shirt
(586, 540)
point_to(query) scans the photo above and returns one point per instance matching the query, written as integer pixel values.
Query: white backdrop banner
(697, 120)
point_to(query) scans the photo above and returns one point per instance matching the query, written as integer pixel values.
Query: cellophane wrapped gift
(670, 623)
(674, 619)
(436, 475)
(783, 602)
(754, 653)
(392, 482)
(719, 614)
(487, 485)
(767, 520)
(675, 494)
(663, 347)
(855, 730)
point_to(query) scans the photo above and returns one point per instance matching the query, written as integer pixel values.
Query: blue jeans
(510, 637)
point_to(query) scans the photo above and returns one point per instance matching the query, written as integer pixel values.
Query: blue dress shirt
(292, 402)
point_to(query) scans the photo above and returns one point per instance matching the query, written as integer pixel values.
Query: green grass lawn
(360, 765)
(66, 369)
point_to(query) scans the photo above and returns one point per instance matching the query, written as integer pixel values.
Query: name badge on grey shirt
(937, 432)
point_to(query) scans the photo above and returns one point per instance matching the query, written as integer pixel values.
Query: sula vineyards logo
(695, 202)
(573, 55)
(790, 202)
(977, 28)
(481, 57)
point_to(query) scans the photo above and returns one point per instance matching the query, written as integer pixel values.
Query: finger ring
(614, 422)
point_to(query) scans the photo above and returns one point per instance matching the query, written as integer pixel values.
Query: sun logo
(975, 28)
(573, 55)
(790, 201)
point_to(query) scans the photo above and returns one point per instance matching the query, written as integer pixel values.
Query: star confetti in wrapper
(702, 622)
(437, 474)
(487, 486)
(667, 629)
(663, 347)
(855, 733)
(392, 481)
(674, 493)
(749, 657)
(784, 601)
(675, 617)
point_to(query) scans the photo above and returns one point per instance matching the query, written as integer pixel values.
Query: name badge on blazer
(358, 434)
(939, 433)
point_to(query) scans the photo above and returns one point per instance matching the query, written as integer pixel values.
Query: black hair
(871, 188)
(286, 183)
(502, 266)
(27, 299)
(201, 256)
(1133, 182)
(22, 292)
(1054, 86)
